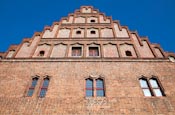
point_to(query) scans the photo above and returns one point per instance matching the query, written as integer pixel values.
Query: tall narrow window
(155, 87)
(93, 51)
(32, 87)
(41, 53)
(100, 88)
(89, 88)
(44, 87)
(76, 51)
(145, 87)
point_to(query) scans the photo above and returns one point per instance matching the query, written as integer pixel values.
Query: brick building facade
(87, 64)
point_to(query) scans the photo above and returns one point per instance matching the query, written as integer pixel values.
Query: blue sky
(153, 18)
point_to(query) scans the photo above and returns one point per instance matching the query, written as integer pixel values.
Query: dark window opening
(93, 32)
(78, 32)
(93, 51)
(92, 20)
(41, 53)
(128, 53)
(32, 87)
(76, 51)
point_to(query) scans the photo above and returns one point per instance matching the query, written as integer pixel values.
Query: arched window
(100, 88)
(89, 88)
(93, 32)
(128, 53)
(151, 87)
(145, 87)
(78, 32)
(156, 87)
(44, 87)
(41, 53)
(32, 87)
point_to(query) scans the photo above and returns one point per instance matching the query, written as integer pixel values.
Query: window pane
(76, 51)
(89, 93)
(93, 51)
(147, 92)
(30, 92)
(157, 92)
(34, 82)
(89, 83)
(42, 92)
(153, 83)
(143, 83)
(46, 82)
(99, 83)
(100, 93)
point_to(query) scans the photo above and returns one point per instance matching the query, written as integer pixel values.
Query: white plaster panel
(92, 18)
(106, 32)
(120, 33)
(94, 11)
(74, 35)
(102, 20)
(63, 33)
(10, 53)
(158, 52)
(27, 49)
(86, 10)
(43, 47)
(92, 35)
(171, 58)
(68, 20)
(50, 34)
(110, 50)
(59, 50)
(127, 47)
(144, 50)
(79, 20)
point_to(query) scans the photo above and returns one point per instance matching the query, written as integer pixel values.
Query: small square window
(93, 51)
(128, 53)
(76, 51)
(78, 32)
(41, 53)
(92, 21)
(93, 32)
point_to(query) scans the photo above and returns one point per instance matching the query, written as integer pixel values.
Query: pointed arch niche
(59, 50)
(78, 33)
(107, 32)
(92, 32)
(42, 48)
(80, 19)
(63, 33)
(126, 49)
(110, 50)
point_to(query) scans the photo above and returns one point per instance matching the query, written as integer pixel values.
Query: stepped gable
(85, 27)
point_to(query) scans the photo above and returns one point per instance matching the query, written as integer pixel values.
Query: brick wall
(66, 91)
